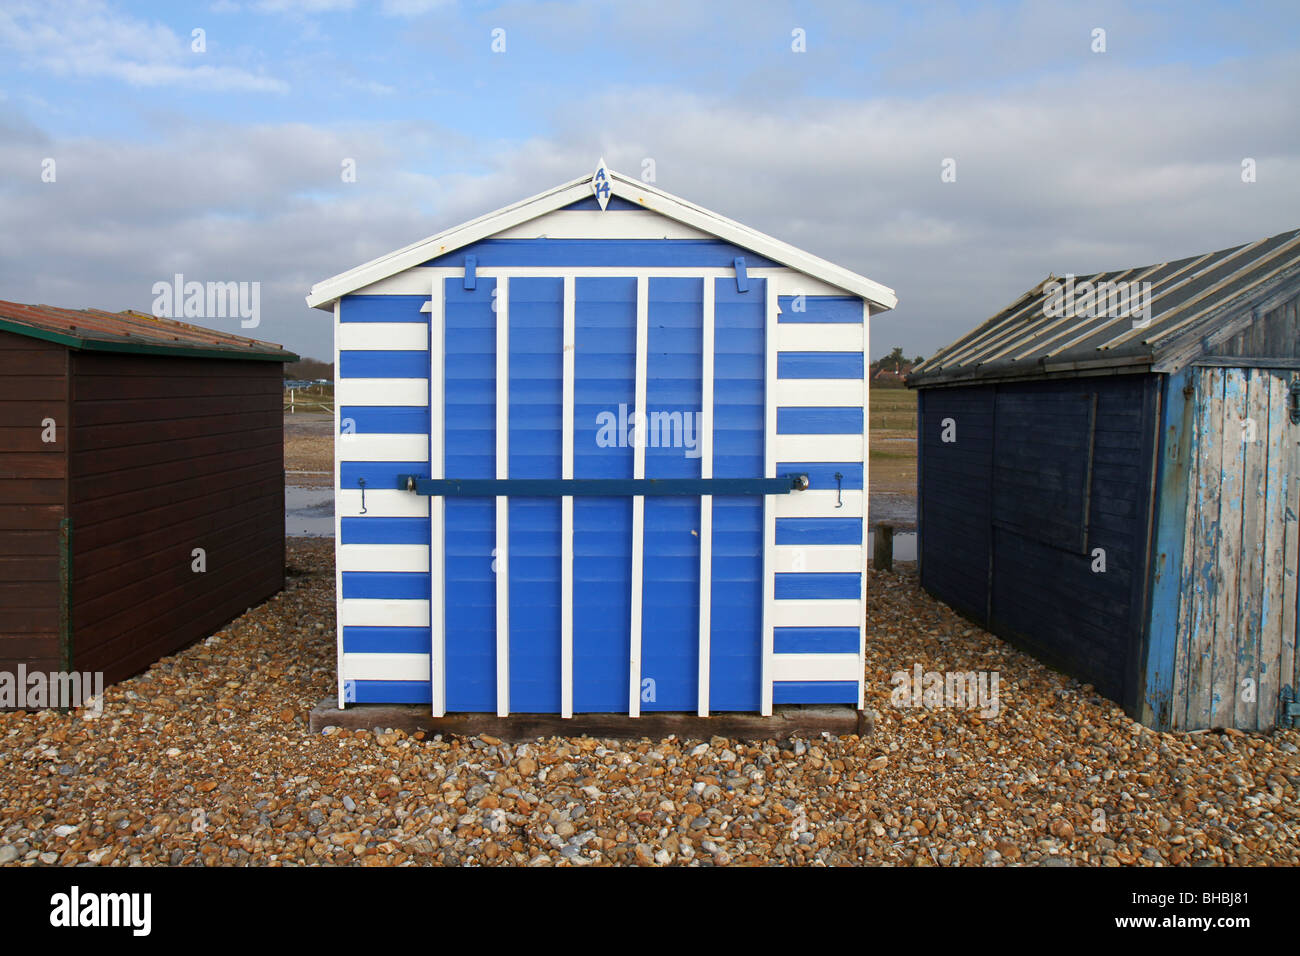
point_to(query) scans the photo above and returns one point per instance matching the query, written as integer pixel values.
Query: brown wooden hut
(141, 486)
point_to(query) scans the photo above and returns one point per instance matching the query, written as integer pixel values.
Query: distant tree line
(309, 369)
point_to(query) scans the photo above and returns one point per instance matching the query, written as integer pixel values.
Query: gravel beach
(206, 759)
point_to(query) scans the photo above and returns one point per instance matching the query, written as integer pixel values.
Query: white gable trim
(325, 293)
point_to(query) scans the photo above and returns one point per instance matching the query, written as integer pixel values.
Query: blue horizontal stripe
(385, 640)
(817, 530)
(379, 474)
(803, 640)
(615, 204)
(819, 365)
(821, 474)
(387, 585)
(643, 253)
(407, 363)
(384, 308)
(385, 420)
(821, 308)
(384, 531)
(817, 585)
(826, 420)
(391, 691)
(814, 692)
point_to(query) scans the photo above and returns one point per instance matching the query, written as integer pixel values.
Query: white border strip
(411, 392)
(410, 558)
(437, 504)
(816, 667)
(706, 501)
(338, 523)
(638, 501)
(769, 512)
(503, 502)
(566, 510)
(383, 336)
(866, 466)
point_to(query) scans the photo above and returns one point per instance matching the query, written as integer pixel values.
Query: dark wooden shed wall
(1031, 449)
(33, 492)
(170, 455)
(1275, 336)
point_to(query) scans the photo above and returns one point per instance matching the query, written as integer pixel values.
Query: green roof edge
(185, 351)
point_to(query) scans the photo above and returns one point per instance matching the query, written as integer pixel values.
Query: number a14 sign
(600, 185)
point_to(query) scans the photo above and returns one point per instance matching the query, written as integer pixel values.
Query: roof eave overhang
(324, 294)
(1136, 364)
(141, 348)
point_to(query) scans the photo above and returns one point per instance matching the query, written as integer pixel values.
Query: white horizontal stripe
(814, 667)
(417, 281)
(595, 224)
(817, 504)
(818, 337)
(846, 613)
(816, 557)
(383, 391)
(373, 612)
(383, 336)
(386, 667)
(356, 447)
(381, 503)
(818, 447)
(383, 557)
(815, 392)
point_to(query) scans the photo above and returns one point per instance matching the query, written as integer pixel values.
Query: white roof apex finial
(600, 184)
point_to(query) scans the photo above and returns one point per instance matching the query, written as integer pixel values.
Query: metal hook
(362, 483)
(839, 490)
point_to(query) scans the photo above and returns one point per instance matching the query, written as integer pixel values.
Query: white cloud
(85, 38)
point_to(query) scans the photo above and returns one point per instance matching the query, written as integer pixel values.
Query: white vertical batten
(706, 501)
(866, 457)
(437, 505)
(503, 503)
(769, 512)
(338, 520)
(566, 509)
(638, 501)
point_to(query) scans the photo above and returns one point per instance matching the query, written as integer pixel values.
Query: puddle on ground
(904, 545)
(308, 512)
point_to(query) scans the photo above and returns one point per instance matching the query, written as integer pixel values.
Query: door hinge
(1288, 708)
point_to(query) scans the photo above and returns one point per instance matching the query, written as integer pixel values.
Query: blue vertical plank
(470, 429)
(671, 592)
(536, 417)
(1173, 475)
(738, 452)
(604, 396)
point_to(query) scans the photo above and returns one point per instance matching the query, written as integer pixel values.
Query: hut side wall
(1236, 635)
(1275, 335)
(1035, 519)
(170, 455)
(33, 490)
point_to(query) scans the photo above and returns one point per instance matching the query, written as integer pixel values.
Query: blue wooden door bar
(598, 487)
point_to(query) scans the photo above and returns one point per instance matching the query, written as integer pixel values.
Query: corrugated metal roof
(96, 330)
(1187, 302)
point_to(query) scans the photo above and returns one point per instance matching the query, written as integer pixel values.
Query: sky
(211, 139)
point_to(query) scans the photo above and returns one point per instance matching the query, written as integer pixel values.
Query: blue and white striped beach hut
(601, 451)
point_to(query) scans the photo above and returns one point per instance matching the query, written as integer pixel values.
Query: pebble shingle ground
(207, 759)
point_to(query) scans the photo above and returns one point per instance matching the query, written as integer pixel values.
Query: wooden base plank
(786, 722)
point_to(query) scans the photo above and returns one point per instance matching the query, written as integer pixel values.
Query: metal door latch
(361, 482)
(839, 490)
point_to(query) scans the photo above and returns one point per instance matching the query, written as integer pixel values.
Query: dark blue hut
(1109, 478)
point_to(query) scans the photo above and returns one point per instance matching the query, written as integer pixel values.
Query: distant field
(893, 440)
